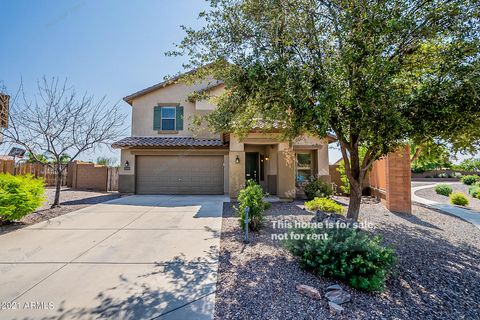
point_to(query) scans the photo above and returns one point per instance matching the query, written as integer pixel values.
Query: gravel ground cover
(432, 195)
(437, 276)
(70, 200)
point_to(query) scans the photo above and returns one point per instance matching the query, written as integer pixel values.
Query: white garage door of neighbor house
(179, 174)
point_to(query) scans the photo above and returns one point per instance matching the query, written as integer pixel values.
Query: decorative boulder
(309, 291)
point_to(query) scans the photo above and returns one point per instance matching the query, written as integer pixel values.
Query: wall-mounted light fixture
(237, 160)
(267, 158)
(127, 166)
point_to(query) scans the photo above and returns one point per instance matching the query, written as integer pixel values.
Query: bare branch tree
(60, 121)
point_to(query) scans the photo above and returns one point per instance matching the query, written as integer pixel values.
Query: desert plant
(348, 254)
(19, 196)
(325, 205)
(317, 188)
(252, 196)
(470, 179)
(459, 198)
(443, 189)
(474, 190)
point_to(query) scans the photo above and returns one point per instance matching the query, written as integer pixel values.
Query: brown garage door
(179, 174)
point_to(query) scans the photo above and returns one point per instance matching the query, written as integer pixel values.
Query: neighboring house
(4, 102)
(165, 155)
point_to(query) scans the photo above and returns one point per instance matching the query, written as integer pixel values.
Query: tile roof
(168, 142)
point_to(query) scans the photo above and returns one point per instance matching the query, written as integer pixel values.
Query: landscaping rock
(320, 216)
(338, 296)
(335, 308)
(309, 291)
(334, 287)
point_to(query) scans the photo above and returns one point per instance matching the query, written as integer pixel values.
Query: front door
(251, 166)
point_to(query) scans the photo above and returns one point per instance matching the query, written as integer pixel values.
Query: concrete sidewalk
(139, 257)
(469, 215)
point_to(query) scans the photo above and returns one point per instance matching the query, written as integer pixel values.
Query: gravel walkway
(430, 194)
(70, 200)
(437, 277)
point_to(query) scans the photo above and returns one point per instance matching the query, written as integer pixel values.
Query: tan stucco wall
(143, 106)
(210, 103)
(126, 155)
(236, 173)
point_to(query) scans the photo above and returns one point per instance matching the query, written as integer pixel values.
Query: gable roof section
(129, 99)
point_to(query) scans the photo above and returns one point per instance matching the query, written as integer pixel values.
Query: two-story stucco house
(165, 155)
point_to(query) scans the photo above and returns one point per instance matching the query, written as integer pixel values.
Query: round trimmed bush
(471, 179)
(459, 199)
(474, 191)
(325, 205)
(443, 189)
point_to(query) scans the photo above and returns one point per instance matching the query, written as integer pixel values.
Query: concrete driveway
(139, 257)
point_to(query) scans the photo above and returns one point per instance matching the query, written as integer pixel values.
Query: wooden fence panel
(37, 170)
(7, 166)
(112, 183)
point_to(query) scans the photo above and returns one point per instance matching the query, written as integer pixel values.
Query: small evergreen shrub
(474, 191)
(459, 198)
(351, 255)
(252, 196)
(19, 196)
(443, 189)
(317, 188)
(325, 205)
(471, 179)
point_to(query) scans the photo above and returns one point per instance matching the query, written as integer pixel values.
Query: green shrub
(459, 198)
(345, 187)
(471, 179)
(325, 205)
(443, 189)
(351, 255)
(474, 191)
(317, 188)
(19, 196)
(252, 196)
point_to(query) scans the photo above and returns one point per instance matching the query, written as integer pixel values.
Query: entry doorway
(252, 166)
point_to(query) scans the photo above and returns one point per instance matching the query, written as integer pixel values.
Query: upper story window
(168, 118)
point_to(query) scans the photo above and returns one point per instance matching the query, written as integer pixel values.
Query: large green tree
(375, 73)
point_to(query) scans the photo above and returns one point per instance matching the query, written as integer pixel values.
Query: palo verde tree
(58, 123)
(374, 73)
